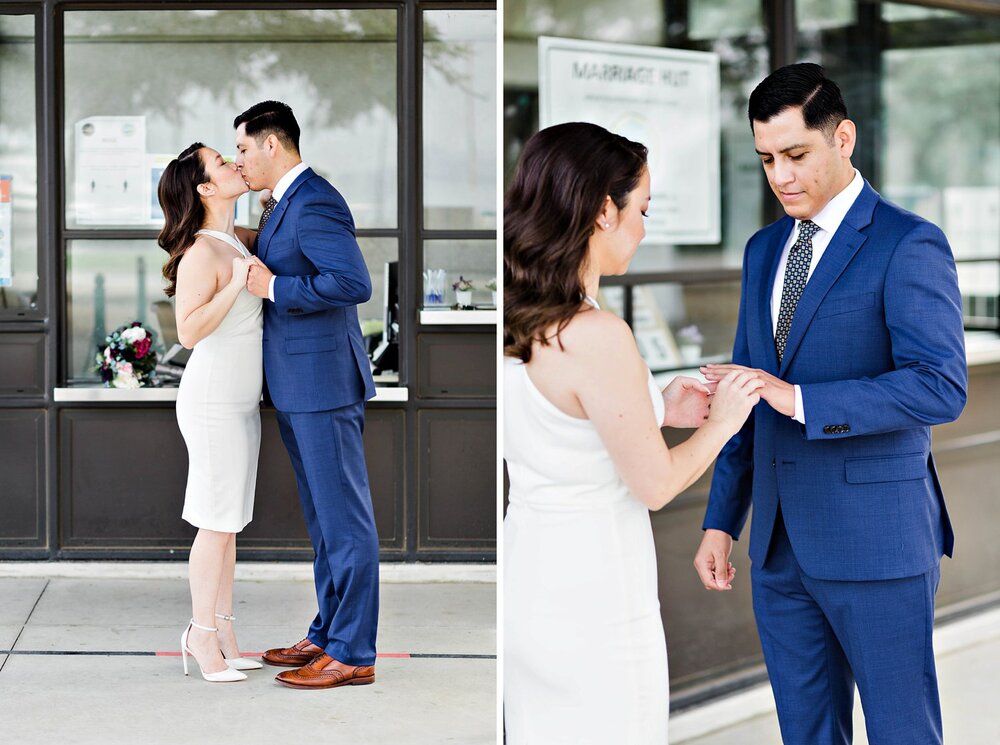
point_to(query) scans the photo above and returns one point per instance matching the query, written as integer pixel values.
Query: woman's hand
(241, 267)
(779, 394)
(737, 393)
(686, 402)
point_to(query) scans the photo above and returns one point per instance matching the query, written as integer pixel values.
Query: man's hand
(258, 278)
(712, 560)
(779, 394)
(686, 402)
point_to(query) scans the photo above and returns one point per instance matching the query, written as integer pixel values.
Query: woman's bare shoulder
(594, 332)
(205, 250)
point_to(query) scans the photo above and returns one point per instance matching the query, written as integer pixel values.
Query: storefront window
(713, 19)
(143, 85)
(459, 120)
(18, 167)
(627, 21)
(449, 260)
(125, 120)
(458, 158)
(112, 283)
(924, 91)
(819, 14)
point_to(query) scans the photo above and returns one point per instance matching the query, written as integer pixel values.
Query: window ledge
(458, 317)
(99, 394)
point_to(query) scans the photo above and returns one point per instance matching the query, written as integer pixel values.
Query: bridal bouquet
(127, 359)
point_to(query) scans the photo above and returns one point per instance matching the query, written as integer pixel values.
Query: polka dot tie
(796, 275)
(266, 215)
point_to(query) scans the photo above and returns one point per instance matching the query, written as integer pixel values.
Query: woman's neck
(220, 217)
(592, 280)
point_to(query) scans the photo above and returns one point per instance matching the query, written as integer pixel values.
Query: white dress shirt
(827, 220)
(276, 194)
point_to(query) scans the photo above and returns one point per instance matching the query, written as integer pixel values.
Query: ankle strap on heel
(203, 628)
(225, 617)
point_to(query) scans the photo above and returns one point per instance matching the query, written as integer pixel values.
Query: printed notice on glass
(667, 99)
(156, 164)
(6, 230)
(111, 171)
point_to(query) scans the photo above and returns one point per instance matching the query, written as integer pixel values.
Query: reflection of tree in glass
(943, 115)
(17, 83)
(152, 62)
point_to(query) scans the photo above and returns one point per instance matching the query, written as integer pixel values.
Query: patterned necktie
(266, 215)
(796, 274)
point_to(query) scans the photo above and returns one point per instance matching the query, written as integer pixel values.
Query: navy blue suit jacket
(878, 348)
(314, 354)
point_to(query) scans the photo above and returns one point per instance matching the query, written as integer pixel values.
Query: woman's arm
(200, 304)
(615, 395)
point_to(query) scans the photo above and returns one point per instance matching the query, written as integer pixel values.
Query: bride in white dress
(585, 661)
(219, 396)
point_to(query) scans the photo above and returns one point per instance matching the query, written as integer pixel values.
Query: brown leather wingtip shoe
(326, 672)
(297, 655)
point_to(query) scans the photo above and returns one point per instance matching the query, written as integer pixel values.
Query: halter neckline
(232, 240)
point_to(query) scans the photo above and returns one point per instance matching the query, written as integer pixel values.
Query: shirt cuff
(270, 291)
(800, 414)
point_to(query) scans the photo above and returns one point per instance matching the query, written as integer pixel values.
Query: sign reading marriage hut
(667, 99)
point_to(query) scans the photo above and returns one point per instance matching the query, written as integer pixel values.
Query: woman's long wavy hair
(563, 177)
(182, 207)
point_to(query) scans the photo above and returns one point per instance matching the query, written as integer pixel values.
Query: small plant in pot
(492, 287)
(463, 292)
(690, 344)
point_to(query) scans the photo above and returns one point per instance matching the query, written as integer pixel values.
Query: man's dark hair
(804, 84)
(271, 117)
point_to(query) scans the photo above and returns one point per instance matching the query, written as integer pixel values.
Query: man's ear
(845, 137)
(271, 144)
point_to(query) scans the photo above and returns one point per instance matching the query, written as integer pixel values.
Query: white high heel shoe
(239, 663)
(229, 675)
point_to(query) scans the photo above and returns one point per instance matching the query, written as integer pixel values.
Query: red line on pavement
(394, 655)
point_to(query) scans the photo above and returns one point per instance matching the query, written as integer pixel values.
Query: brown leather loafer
(295, 656)
(326, 672)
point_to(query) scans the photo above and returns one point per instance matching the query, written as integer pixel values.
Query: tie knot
(807, 229)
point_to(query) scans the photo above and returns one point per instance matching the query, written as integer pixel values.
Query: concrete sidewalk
(96, 660)
(968, 658)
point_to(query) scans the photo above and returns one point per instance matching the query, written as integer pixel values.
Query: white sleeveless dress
(218, 411)
(585, 659)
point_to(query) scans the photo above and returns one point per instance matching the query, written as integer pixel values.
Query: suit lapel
(846, 242)
(760, 285)
(279, 211)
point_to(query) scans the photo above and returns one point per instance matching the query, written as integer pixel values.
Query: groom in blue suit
(850, 312)
(311, 273)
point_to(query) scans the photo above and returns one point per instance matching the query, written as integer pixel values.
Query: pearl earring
(606, 226)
